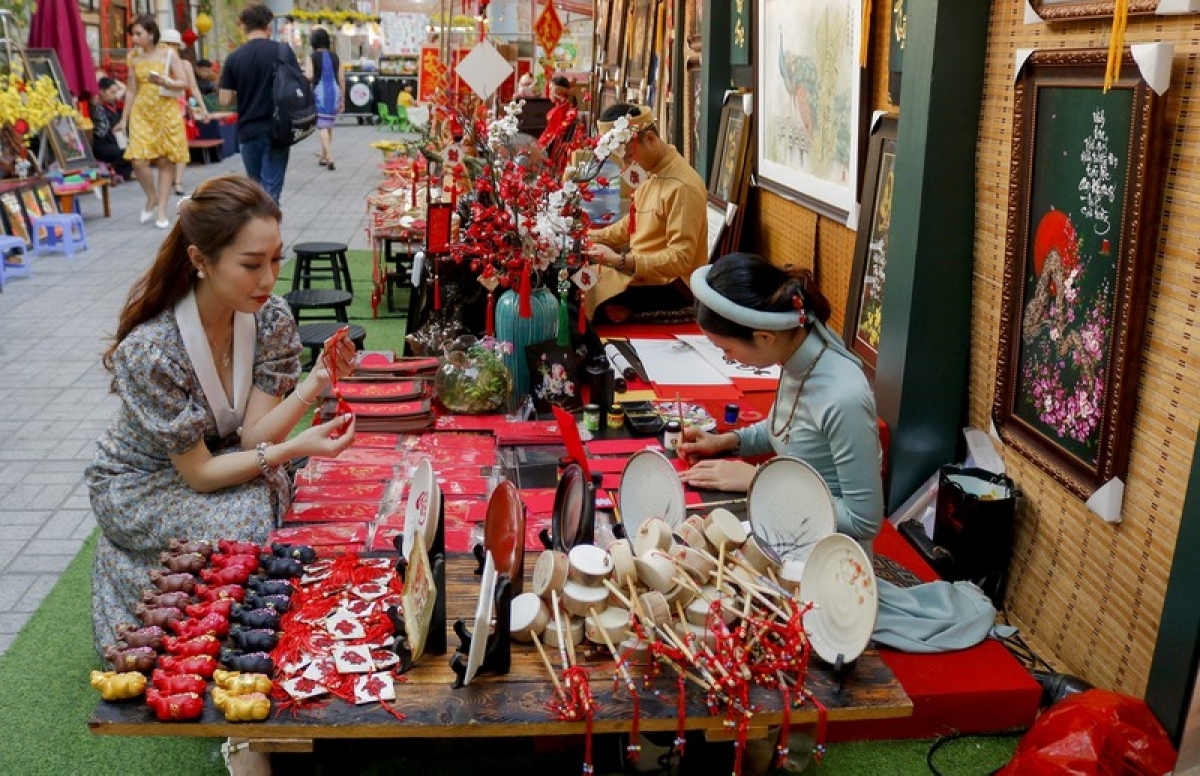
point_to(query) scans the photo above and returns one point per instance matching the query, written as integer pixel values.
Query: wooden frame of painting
(14, 217)
(1082, 225)
(46, 198)
(727, 180)
(29, 201)
(864, 302)
(70, 147)
(1058, 10)
(692, 102)
(810, 102)
(693, 19)
(614, 48)
(643, 15)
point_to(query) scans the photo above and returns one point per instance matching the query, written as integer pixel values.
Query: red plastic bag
(190, 129)
(1094, 732)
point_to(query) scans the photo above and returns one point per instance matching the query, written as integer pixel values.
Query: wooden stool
(313, 336)
(311, 254)
(319, 299)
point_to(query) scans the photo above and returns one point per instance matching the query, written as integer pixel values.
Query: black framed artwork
(864, 304)
(67, 141)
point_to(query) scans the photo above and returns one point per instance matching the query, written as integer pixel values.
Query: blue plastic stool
(57, 232)
(16, 270)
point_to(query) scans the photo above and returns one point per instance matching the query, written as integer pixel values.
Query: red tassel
(681, 722)
(582, 314)
(632, 215)
(491, 314)
(785, 727)
(525, 310)
(437, 293)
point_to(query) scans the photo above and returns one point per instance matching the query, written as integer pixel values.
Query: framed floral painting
(864, 304)
(1082, 224)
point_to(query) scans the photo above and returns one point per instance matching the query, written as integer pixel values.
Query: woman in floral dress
(157, 140)
(205, 362)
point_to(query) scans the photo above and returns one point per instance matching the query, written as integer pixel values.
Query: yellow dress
(155, 123)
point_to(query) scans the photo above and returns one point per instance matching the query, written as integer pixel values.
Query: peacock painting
(810, 82)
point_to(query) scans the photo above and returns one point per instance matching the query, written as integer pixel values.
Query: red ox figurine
(184, 705)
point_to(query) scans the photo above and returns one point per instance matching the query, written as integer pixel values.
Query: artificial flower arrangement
(27, 108)
(523, 218)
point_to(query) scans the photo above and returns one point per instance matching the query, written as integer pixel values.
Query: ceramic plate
(839, 580)
(650, 487)
(504, 532)
(790, 507)
(574, 510)
(420, 599)
(423, 508)
(483, 619)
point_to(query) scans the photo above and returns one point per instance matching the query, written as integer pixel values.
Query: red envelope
(382, 392)
(385, 537)
(330, 472)
(376, 440)
(322, 534)
(332, 511)
(351, 491)
(607, 465)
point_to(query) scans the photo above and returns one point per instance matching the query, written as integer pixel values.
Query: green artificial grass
(45, 703)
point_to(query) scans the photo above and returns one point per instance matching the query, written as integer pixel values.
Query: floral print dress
(155, 123)
(138, 497)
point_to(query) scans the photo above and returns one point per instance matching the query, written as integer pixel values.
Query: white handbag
(166, 91)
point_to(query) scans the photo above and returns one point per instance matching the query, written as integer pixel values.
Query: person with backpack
(249, 79)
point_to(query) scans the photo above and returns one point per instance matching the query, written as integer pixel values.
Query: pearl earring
(200, 274)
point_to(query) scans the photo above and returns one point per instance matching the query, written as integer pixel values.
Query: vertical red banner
(431, 70)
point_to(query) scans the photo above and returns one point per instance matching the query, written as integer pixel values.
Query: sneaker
(162, 223)
(145, 217)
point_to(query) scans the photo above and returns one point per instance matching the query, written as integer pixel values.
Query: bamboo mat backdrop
(1087, 595)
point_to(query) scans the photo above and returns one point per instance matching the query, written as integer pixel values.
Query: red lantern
(189, 37)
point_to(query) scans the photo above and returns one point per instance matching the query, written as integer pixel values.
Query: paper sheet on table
(713, 355)
(673, 362)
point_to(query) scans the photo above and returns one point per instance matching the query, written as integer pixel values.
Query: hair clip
(179, 204)
(798, 303)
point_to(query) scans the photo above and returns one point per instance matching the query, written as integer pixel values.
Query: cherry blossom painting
(1082, 223)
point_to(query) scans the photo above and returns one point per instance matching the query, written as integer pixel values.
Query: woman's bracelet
(299, 398)
(260, 453)
(737, 443)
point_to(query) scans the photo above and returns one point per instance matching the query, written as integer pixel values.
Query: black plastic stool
(313, 336)
(321, 261)
(307, 299)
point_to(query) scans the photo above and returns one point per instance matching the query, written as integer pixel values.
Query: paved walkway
(53, 328)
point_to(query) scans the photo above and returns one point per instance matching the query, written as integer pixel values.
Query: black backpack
(295, 115)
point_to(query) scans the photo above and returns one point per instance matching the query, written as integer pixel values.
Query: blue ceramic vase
(511, 327)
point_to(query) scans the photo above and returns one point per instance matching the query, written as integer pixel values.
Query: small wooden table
(66, 198)
(515, 704)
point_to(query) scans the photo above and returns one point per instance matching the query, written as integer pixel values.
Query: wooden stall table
(515, 704)
(66, 193)
(395, 246)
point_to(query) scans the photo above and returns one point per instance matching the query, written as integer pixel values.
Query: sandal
(179, 189)
(323, 162)
(330, 167)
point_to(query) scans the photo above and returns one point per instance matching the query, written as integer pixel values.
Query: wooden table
(514, 704)
(66, 199)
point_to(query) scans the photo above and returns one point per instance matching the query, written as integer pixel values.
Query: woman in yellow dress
(156, 136)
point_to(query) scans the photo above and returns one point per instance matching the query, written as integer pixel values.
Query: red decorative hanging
(525, 309)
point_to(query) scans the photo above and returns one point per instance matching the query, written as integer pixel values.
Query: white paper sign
(484, 69)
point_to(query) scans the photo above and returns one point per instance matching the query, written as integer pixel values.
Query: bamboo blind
(1087, 595)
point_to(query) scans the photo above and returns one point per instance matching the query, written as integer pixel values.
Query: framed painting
(29, 201)
(733, 143)
(693, 100)
(46, 198)
(864, 303)
(614, 39)
(810, 87)
(1058, 10)
(1082, 227)
(739, 32)
(14, 218)
(642, 17)
(44, 62)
